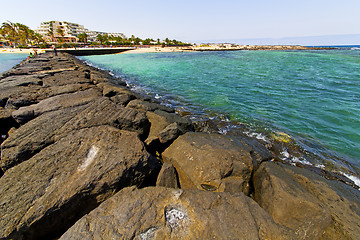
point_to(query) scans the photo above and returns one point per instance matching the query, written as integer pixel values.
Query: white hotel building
(70, 31)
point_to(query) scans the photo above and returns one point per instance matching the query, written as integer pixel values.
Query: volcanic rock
(204, 161)
(25, 114)
(161, 213)
(42, 131)
(45, 195)
(314, 207)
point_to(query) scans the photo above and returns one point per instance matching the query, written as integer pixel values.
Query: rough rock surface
(204, 161)
(37, 134)
(167, 176)
(43, 196)
(315, 208)
(6, 121)
(149, 106)
(165, 127)
(25, 114)
(161, 213)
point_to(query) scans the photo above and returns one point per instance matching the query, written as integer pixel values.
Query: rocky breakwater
(83, 157)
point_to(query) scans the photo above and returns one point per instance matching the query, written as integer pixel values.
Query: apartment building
(53, 31)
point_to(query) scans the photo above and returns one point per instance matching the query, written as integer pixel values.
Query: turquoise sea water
(314, 96)
(8, 60)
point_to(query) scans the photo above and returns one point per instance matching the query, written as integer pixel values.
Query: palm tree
(24, 33)
(82, 37)
(60, 32)
(37, 38)
(9, 30)
(50, 32)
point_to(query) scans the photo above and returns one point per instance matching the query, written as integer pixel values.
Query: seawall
(83, 157)
(92, 51)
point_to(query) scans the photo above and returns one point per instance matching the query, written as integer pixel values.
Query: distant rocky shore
(83, 157)
(230, 47)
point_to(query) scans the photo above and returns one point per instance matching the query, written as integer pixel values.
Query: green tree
(9, 31)
(83, 37)
(137, 41)
(51, 32)
(102, 38)
(147, 41)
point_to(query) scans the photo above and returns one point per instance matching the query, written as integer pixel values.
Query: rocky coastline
(83, 157)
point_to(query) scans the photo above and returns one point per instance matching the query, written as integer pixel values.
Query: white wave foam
(322, 166)
(294, 160)
(356, 180)
(258, 136)
(285, 153)
(300, 160)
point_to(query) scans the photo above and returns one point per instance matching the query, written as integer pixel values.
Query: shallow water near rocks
(312, 96)
(8, 60)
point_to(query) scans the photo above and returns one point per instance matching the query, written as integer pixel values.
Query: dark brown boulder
(165, 127)
(167, 176)
(149, 106)
(314, 207)
(204, 161)
(6, 122)
(24, 114)
(45, 195)
(161, 213)
(44, 130)
(15, 81)
(61, 78)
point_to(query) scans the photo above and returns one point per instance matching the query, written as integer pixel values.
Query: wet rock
(204, 161)
(160, 213)
(314, 207)
(184, 123)
(167, 176)
(258, 151)
(165, 127)
(118, 94)
(206, 126)
(170, 133)
(122, 99)
(110, 90)
(25, 114)
(44, 196)
(149, 106)
(42, 131)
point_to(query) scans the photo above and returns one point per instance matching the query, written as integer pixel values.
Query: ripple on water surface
(312, 95)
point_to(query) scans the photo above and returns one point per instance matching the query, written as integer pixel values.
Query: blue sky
(195, 20)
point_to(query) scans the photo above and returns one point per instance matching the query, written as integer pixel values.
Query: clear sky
(195, 20)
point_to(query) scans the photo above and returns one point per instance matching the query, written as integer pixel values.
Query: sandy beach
(155, 49)
(18, 50)
(136, 50)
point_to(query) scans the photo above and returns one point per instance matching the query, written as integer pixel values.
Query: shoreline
(290, 148)
(159, 49)
(69, 121)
